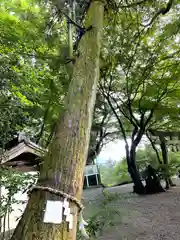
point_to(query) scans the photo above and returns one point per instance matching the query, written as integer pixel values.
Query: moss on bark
(63, 167)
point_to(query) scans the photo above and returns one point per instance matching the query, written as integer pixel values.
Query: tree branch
(131, 118)
(162, 11)
(135, 4)
(115, 113)
(45, 113)
(131, 112)
(164, 92)
(154, 147)
(134, 133)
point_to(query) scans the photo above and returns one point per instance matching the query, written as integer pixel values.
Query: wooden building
(25, 156)
(22, 154)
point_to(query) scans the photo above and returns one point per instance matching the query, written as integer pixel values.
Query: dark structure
(153, 184)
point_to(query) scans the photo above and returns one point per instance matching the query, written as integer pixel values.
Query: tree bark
(168, 180)
(154, 147)
(164, 156)
(64, 165)
(133, 171)
(138, 186)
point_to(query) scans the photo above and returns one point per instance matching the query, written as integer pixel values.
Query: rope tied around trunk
(58, 193)
(82, 222)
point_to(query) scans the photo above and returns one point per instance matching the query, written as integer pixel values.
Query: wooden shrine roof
(24, 155)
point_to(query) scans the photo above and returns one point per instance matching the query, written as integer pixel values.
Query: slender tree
(137, 81)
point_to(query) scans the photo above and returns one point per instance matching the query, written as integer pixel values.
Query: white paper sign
(65, 203)
(67, 211)
(70, 221)
(68, 218)
(53, 212)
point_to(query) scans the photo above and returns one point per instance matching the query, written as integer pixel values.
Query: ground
(152, 217)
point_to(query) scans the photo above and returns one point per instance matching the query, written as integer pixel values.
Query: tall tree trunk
(164, 156)
(168, 180)
(64, 165)
(133, 171)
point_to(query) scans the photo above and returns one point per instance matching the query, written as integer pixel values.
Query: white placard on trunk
(70, 221)
(53, 212)
(67, 211)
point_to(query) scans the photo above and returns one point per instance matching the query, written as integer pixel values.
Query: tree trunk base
(138, 187)
(140, 190)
